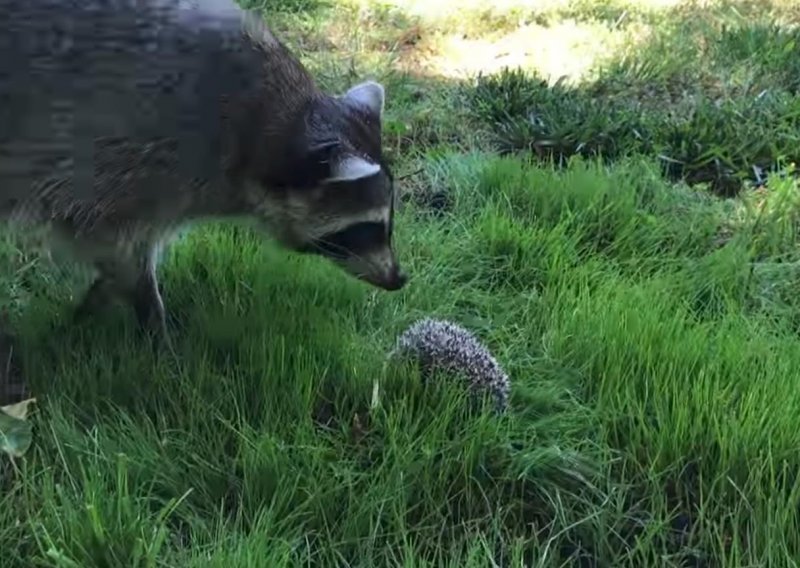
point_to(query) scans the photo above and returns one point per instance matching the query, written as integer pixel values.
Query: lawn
(603, 192)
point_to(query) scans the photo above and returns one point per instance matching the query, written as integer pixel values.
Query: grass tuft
(623, 240)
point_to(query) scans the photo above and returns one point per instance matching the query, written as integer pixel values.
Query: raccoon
(123, 121)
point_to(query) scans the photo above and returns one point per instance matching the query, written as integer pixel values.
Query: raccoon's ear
(370, 95)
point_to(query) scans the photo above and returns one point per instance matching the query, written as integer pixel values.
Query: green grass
(649, 326)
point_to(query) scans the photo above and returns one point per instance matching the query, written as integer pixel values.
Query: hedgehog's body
(445, 346)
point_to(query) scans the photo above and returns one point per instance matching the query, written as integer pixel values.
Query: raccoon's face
(338, 196)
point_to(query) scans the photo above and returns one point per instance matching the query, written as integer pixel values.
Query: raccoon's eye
(355, 239)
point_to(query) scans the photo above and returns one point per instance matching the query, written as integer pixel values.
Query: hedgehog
(440, 345)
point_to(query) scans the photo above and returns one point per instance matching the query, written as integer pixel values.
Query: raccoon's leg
(132, 277)
(99, 295)
(145, 296)
(147, 301)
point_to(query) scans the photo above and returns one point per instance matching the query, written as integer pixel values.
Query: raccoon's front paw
(151, 317)
(150, 313)
(153, 324)
(149, 307)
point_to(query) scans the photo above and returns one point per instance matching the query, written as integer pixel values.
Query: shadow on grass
(715, 102)
(712, 92)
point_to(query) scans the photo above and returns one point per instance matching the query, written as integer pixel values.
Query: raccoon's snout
(396, 280)
(380, 269)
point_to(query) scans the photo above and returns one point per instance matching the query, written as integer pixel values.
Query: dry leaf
(18, 410)
(358, 431)
(376, 394)
(15, 435)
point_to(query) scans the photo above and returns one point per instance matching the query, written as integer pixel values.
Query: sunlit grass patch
(649, 327)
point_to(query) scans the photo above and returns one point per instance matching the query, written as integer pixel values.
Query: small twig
(404, 176)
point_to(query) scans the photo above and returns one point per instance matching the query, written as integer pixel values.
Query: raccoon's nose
(397, 281)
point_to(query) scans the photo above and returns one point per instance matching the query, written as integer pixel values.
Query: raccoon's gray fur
(122, 120)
